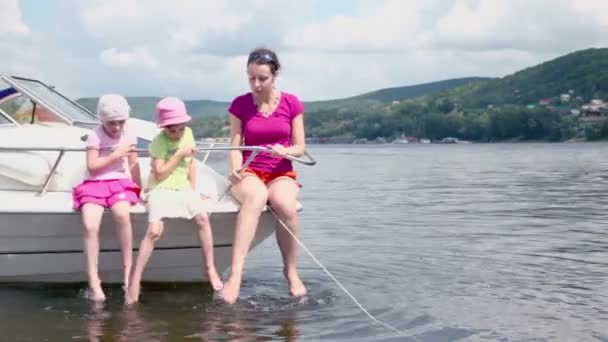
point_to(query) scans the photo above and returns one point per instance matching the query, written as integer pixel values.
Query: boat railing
(203, 144)
(309, 160)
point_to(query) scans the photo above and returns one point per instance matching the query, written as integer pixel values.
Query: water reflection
(173, 315)
(254, 319)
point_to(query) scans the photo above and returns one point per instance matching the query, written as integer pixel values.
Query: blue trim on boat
(7, 92)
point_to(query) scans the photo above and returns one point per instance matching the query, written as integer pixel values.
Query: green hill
(502, 109)
(583, 73)
(143, 107)
(484, 109)
(457, 107)
(414, 91)
(380, 98)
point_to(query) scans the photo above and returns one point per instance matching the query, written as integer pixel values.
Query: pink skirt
(105, 192)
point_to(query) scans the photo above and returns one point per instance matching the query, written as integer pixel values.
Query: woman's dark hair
(265, 56)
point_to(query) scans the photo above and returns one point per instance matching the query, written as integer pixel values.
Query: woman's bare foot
(231, 290)
(295, 284)
(95, 293)
(132, 295)
(215, 279)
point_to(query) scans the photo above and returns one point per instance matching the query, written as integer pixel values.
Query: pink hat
(171, 111)
(112, 107)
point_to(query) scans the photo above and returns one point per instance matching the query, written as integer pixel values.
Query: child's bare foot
(95, 293)
(230, 292)
(215, 279)
(296, 287)
(132, 295)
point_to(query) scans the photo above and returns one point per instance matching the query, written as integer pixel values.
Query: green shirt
(163, 148)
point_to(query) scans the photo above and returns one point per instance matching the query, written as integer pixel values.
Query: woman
(272, 118)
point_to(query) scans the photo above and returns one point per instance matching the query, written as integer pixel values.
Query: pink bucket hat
(113, 107)
(171, 111)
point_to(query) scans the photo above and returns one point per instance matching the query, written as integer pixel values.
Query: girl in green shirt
(171, 190)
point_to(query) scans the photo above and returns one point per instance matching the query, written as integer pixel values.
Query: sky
(197, 49)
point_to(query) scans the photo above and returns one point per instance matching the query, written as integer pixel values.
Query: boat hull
(47, 247)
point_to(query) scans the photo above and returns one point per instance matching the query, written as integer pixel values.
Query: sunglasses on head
(265, 58)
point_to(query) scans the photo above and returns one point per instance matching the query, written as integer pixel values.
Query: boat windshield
(15, 106)
(5, 92)
(4, 120)
(62, 108)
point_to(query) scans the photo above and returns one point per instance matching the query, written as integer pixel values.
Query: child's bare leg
(206, 236)
(124, 233)
(155, 229)
(91, 219)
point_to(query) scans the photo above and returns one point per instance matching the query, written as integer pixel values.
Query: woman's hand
(278, 150)
(235, 177)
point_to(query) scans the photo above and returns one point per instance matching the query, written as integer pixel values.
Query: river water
(471, 242)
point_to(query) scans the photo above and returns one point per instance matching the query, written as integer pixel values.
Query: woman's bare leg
(282, 195)
(252, 195)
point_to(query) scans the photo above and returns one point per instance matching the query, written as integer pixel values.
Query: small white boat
(42, 157)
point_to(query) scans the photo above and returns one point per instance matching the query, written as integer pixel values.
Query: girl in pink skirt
(112, 181)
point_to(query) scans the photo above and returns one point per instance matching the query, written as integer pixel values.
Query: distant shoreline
(467, 143)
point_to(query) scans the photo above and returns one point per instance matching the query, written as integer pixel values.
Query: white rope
(386, 325)
(372, 317)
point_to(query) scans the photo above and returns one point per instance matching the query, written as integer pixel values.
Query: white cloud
(530, 25)
(381, 26)
(10, 18)
(24, 61)
(20, 48)
(160, 23)
(403, 26)
(596, 10)
(466, 22)
(104, 14)
(197, 49)
(137, 57)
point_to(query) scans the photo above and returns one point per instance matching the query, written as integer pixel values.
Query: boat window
(22, 110)
(55, 100)
(142, 143)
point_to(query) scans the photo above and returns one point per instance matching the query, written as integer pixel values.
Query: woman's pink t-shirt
(119, 169)
(259, 130)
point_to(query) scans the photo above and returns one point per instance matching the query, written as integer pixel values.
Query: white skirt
(165, 203)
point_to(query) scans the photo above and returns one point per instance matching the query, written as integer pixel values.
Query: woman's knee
(287, 209)
(256, 198)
